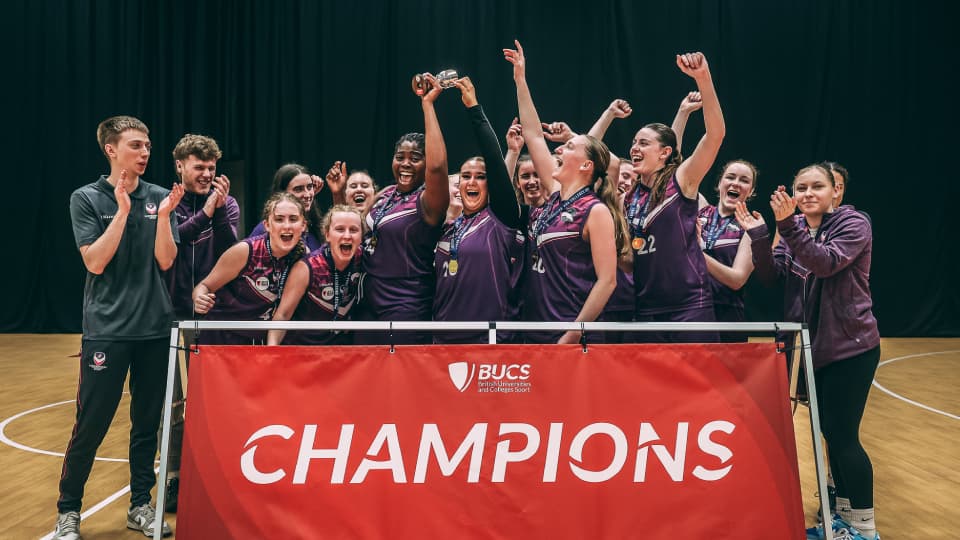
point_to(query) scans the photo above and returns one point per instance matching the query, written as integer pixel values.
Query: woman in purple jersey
(824, 259)
(248, 279)
(404, 225)
(725, 248)
(480, 256)
(669, 271)
(323, 285)
(298, 181)
(577, 234)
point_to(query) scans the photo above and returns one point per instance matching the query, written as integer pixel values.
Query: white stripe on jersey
(550, 237)
(658, 210)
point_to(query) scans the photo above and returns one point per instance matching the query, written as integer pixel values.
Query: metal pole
(806, 346)
(165, 436)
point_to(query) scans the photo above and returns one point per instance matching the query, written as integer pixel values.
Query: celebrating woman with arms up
(480, 257)
(405, 223)
(576, 235)
(669, 271)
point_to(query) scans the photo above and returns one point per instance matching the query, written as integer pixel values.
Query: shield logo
(99, 358)
(461, 374)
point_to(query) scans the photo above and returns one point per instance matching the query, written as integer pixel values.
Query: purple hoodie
(827, 280)
(202, 241)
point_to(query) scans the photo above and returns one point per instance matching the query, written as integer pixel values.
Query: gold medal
(453, 267)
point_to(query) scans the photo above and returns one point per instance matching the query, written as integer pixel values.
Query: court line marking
(6, 440)
(907, 400)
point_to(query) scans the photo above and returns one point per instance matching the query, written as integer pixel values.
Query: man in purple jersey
(207, 220)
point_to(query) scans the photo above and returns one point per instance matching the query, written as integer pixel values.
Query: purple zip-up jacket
(827, 280)
(202, 241)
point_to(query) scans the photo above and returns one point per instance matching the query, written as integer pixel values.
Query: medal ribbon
(550, 214)
(716, 227)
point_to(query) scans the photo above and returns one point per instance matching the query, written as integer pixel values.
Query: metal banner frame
(491, 328)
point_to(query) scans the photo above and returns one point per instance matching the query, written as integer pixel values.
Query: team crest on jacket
(262, 283)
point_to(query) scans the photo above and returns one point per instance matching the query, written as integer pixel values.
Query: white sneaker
(141, 519)
(68, 526)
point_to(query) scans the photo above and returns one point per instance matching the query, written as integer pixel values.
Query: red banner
(505, 441)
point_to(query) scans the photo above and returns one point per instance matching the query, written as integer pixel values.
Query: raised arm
(337, 180)
(436, 195)
(543, 161)
(502, 201)
(692, 102)
(618, 108)
(293, 291)
(692, 170)
(514, 140)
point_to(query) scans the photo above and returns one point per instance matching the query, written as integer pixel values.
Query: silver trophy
(446, 78)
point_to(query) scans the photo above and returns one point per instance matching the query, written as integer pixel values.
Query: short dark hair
(109, 131)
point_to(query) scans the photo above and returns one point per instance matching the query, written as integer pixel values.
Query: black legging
(842, 389)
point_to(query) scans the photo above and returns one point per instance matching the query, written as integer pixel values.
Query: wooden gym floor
(911, 429)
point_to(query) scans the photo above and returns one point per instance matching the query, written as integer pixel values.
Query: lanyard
(716, 227)
(549, 214)
(283, 274)
(636, 215)
(338, 289)
(459, 229)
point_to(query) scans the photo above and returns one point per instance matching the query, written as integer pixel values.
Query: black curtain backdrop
(863, 83)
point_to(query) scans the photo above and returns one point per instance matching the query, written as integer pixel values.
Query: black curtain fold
(863, 83)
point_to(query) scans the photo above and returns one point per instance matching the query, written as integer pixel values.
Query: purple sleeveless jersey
(251, 296)
(669, 271)
(397, 264)
(722, 236)
(560, 272)
(328, 289)
(482, 284)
